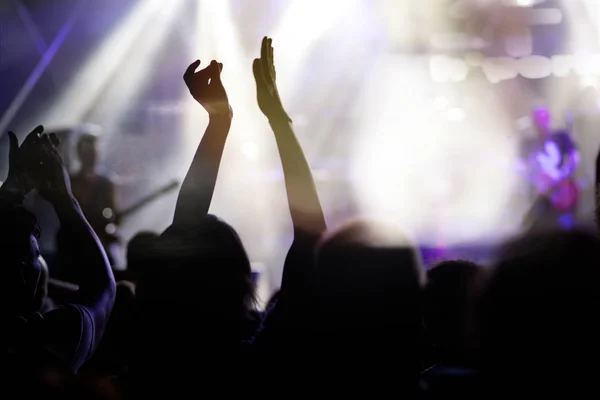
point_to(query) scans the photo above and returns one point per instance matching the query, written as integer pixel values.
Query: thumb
(191, 69)
(14, 143)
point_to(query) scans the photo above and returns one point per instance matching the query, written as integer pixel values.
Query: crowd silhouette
(356, 313)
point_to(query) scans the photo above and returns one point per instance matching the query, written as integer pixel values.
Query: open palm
(265, 76)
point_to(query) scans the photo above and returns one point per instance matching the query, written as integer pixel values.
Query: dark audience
(356, 311)
(450, 354)
(538, 330)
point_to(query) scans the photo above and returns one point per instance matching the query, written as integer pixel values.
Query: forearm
(305, 207)
(199, 184)
(97, 284)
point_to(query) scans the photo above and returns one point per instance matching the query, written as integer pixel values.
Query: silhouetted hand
(266, 85)
(50, 175)
(20, 160)
(207, 89)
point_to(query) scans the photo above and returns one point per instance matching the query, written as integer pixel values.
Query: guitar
(104, 222)
(108, 236)
(113, 219)
(554, 177)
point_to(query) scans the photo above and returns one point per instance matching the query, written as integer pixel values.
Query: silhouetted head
(371, 260)
(87, 151)
(367, 299)
(542, 120)
(538, 317)
(204, 267)
(450, 288)
(20, 253)
(141, 253)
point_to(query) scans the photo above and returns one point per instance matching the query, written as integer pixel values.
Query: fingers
(219, 69)
(48, 145)
(45, 140)
(215, 70)
(272, 61)
(266, 60)
(54, 139)
(191, 69)
(34, 135)
(264, 49)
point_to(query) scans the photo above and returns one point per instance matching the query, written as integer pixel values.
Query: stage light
(440, 103)
(535, 67)
(413, 168)
(250, 150)
(457, 114)
(79, 96)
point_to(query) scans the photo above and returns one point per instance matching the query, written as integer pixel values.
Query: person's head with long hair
(140, 254)
(202, 268)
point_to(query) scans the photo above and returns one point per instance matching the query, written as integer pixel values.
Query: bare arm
(199, 184)
(97, 285)
(305, 208)
(303, 200)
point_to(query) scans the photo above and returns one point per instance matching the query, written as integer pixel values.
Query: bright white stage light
(440, 103)
(433, 179)
(80, 95)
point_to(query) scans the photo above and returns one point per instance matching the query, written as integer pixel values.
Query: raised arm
(18, 183)
(305, 208)
(198, 186)
(96, 285)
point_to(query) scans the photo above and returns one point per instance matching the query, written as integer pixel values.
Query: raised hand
(198, 186)
(20, 161)
(207, 89)
(266, 85)
(49, 173)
